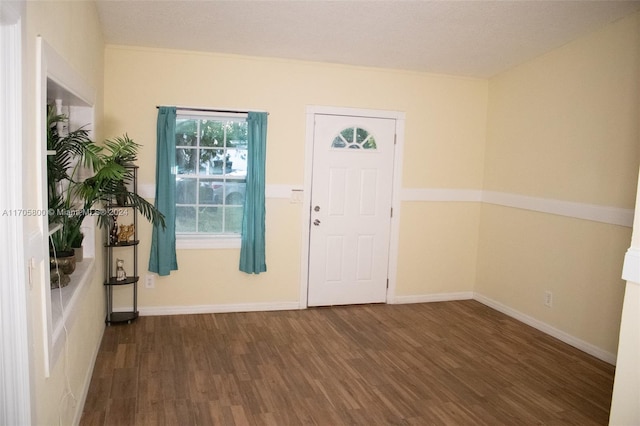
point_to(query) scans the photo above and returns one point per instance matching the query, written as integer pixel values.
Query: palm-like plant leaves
(108, 186)
(96, 194)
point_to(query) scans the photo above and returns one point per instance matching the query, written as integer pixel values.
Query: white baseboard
(438, 297)
(548, 329)
(215, 309)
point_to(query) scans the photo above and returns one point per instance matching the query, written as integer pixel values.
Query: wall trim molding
(586, 347)
(280, 190)
(428, 298)
(215, 309)
(593, 212)
(441, 194)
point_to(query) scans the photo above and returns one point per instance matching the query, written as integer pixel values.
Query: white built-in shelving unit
(58, 82)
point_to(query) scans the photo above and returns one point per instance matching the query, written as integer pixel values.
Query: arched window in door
(354, 138)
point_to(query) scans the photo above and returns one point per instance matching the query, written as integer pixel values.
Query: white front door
(350, 209)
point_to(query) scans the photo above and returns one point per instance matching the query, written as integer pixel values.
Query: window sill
(192, 242)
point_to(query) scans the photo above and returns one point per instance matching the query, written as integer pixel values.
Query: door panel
(351, 209)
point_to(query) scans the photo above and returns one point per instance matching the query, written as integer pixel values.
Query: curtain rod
(226, 111)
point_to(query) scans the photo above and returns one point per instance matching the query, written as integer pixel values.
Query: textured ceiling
(468, 38)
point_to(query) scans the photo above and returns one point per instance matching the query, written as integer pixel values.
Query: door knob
(316, 222)
(316, 209)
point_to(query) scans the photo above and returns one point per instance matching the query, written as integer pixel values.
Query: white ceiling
(469, 38)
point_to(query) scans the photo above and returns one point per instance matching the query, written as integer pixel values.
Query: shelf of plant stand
(124, 244)
(128, 280)
(117, 317)
(119, 206)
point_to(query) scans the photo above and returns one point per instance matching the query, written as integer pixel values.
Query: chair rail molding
(593, 212)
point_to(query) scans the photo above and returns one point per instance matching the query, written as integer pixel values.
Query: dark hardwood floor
(449, 363)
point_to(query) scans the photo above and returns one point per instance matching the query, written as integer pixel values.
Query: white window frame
(195, 241)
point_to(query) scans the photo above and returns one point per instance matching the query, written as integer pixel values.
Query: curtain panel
(252, 249)
(162, 259)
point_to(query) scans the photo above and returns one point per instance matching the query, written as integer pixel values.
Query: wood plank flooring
(449, 363)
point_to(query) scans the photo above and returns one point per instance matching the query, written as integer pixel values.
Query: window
(211, 160)
(354, 138)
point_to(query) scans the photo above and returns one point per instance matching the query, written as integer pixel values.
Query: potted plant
(68, 151)
(71, 199)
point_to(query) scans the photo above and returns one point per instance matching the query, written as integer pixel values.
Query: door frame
(399, 117)
(17, 368)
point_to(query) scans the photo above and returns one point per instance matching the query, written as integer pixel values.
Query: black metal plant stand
(112, 276)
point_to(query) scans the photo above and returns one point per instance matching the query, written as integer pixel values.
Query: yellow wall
(564, 126)
(438, 251)
(444, 145)
(72, 29)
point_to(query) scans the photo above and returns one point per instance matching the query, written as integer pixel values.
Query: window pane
(186, 161)
(361, 135)
(185, 219)
(233, 219)
(186, 191)
(338, 142)
(236, 134)
(211, 161)
(237, 162)
(210, 219)
(347, 134)
(370, 143)
(186, 132)
(234, 192)
(207, 191)
(211, 133)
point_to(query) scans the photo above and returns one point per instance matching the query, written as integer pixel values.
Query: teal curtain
(252, 249)
(162, 259)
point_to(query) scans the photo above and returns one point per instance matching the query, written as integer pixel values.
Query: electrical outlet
(149, 281)
(548, 299)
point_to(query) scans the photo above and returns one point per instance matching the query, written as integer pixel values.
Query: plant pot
(63, 264)
(59, 279)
